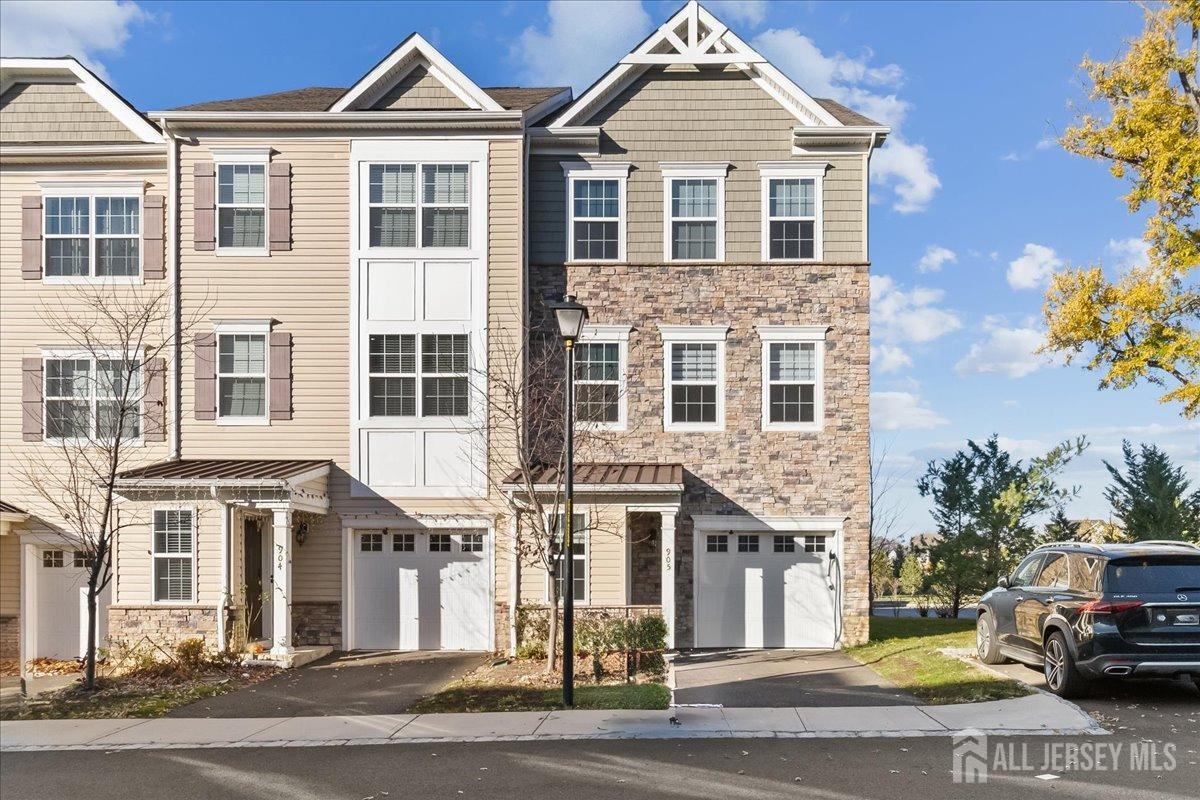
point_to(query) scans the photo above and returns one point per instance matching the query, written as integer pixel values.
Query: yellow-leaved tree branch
(1143, 325)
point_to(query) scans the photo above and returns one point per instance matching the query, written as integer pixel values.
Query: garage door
(765, 590)
(62, 606)
(422, 591)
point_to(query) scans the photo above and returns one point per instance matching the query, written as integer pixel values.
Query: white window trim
(675, 334)
(814, 334)
(472, 205)
(245, 327)
(619, 335)
(675, 170)
(814, 171)
(582, 170)
(154, 557)
(227, 156)
(50, 354)
(586, 600)
(92, 190)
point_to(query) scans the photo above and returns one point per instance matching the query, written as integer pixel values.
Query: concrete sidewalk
(1032, 715)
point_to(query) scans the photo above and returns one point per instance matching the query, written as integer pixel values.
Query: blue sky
(973, 202)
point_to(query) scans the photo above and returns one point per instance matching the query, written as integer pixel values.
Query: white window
(439, 213)
(471, 543)
(404, 542)
(793, 361)
(716, 543)
(579, 552)
(174, 556)
(52, 559)
(242, 199)
(84, 397)
(439, 543)
(370, 542)
(92, 231)
(441, 373)
(694, 212)
(242, 377)
(601, 356)
(694, 381)
(791, 210)
(747, 543)
(595, 210)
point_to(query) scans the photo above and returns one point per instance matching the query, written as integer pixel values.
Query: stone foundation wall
(10, 636)
(164, 626)
(317, 623)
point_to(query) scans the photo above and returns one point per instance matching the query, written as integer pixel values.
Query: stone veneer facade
(10, 636)
(164, 626)
(317, 623)
(744, 469)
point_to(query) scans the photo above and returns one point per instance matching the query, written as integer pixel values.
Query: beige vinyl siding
(135, 546)
(10, 572)
(56, 113)
(419, 91)
(686, 114)
(27, 313)
(606, 564)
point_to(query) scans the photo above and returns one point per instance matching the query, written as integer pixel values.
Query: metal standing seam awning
(606, 478)
(285, 475)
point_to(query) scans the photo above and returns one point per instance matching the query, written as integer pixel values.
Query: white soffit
(695, 36)
(408, 55)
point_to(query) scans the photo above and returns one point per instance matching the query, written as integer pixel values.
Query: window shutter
(154, 402)
(206, 376)
(31, 239)
(31, 399)
(205, 203)
(279, 193)
(280, 401)
(153, 255)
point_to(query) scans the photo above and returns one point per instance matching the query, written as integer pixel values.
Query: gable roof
(844, 115)
(694, 36)
(320, 98)
(55, 70)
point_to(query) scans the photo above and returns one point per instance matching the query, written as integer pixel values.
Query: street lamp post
(571, 316)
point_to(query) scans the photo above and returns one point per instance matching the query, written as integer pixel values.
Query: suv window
(1054, 572)
(1024, 574)
(1149, 574)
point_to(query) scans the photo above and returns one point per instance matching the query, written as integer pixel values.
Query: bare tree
(884, 510)
(102, 398)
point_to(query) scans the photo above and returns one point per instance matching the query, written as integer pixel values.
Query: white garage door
(765, 590)
(421, 591)
(62, 606)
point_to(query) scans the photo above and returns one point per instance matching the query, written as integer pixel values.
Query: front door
(254, 581)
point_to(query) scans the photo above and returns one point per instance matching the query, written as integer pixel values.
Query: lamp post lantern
(571, 316)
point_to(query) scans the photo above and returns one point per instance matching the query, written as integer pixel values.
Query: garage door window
(717, 543)
(814, 544)
(371, 542)
(404, 542)
(439, 543)
(52, 558)
(747, 543)
(81, 560)
(174, 555)
(785, 544)
(471, 543)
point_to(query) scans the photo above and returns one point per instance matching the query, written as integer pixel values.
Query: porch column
(668, 574)
(281, 574)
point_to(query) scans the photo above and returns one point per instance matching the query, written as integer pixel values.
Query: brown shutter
(31, 399)
(280, 195)
(206, 376)
(153, 255)
(154, 402)
(31, 238)
(280, 402)
(205, 206)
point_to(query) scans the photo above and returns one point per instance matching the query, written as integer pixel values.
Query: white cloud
(86, 29)
(889, 358)
(1012, 155)
(1033, 268)
(747, 12)
(895, 411)
(1023, 448)
(1005, 351)
(1046, 142)
(1129, 253)
(581, 41)
(908, 316)
(935, 256)
(903, 166)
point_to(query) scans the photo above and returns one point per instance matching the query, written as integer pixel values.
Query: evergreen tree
(1152, 499)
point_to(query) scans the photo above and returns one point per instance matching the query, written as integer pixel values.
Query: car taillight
(1108, 606)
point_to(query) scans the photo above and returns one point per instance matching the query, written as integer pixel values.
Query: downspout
(514, 581)
(223, 602)
(176, 301)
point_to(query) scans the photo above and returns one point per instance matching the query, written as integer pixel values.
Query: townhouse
(351, 268)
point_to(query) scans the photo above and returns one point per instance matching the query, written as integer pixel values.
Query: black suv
(1081, 611)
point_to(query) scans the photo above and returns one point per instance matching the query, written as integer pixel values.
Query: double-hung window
(439, 213)
(595, 210)
(600, 357)
(694, 382)
(694, 212)
(174, 556)
(791, 210)
(242, 206)
(92, 232)
(90, 398)
(441, 372)
(793, 390)
(579, 552)
(242, 376)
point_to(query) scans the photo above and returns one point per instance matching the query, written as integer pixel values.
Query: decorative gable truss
(694, 36)
(411, 54)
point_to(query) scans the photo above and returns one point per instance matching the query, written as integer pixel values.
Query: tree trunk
(89, 669)
(552, 643)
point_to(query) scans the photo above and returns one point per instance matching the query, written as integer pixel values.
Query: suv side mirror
(1002, 582)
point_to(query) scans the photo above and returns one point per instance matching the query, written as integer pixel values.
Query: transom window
(440, 211)
(716, 543)
(404, 542)
(579, 552)
(439, 543)
(174, 556)
(370, 542)
(242, 206)
(747, 543)
(598, 382)
(814, 544)
(242, 375)
(785, 544)
(84, 398)
(442, 373)
(92, 236)
(694, 219)
(471, 543)
(792, 217)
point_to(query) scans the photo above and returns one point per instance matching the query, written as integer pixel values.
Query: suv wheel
(986, 645)
(1062, 677)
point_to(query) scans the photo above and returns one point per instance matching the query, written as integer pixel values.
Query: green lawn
(905, 650)
(475, 696)
(114, 704)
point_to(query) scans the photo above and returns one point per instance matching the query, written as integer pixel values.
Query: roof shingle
(842, 114)
(320, 98)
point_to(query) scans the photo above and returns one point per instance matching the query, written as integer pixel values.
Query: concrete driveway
(343, 684)
(780, 679)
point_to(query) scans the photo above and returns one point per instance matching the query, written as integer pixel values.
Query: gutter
(84, 149)
(514, 120)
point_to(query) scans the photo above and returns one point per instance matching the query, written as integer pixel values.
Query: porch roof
(225, 472)
(607, 477)
(9, 508)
